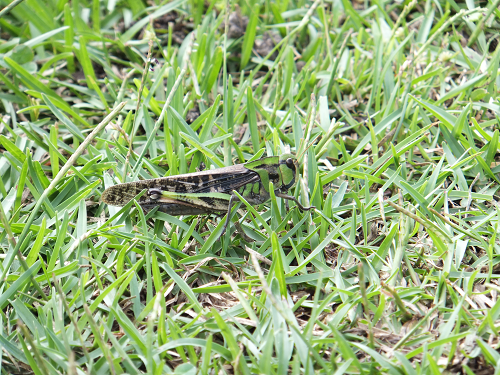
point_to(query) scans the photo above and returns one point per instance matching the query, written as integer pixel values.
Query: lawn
(392, 111)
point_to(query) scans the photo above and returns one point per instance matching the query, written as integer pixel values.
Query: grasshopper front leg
(289, 197)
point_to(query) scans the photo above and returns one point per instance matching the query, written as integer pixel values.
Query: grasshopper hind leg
(228, 217)
(237, 224)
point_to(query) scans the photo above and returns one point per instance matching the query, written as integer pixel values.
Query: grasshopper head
(289, 168)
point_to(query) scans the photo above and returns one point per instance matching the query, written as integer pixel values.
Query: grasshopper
(211, 191)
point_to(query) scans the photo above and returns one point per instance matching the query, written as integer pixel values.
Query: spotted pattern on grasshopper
(211, 191)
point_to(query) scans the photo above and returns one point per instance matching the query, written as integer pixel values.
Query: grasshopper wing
(222, 180)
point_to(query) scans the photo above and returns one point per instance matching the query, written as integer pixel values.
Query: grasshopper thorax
(280, 170)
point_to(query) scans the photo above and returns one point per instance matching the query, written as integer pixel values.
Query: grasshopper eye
(289, 163)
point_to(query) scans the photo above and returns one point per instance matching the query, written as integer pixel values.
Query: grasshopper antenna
(302, 153)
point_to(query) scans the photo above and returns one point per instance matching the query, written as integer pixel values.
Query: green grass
(396, 110)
